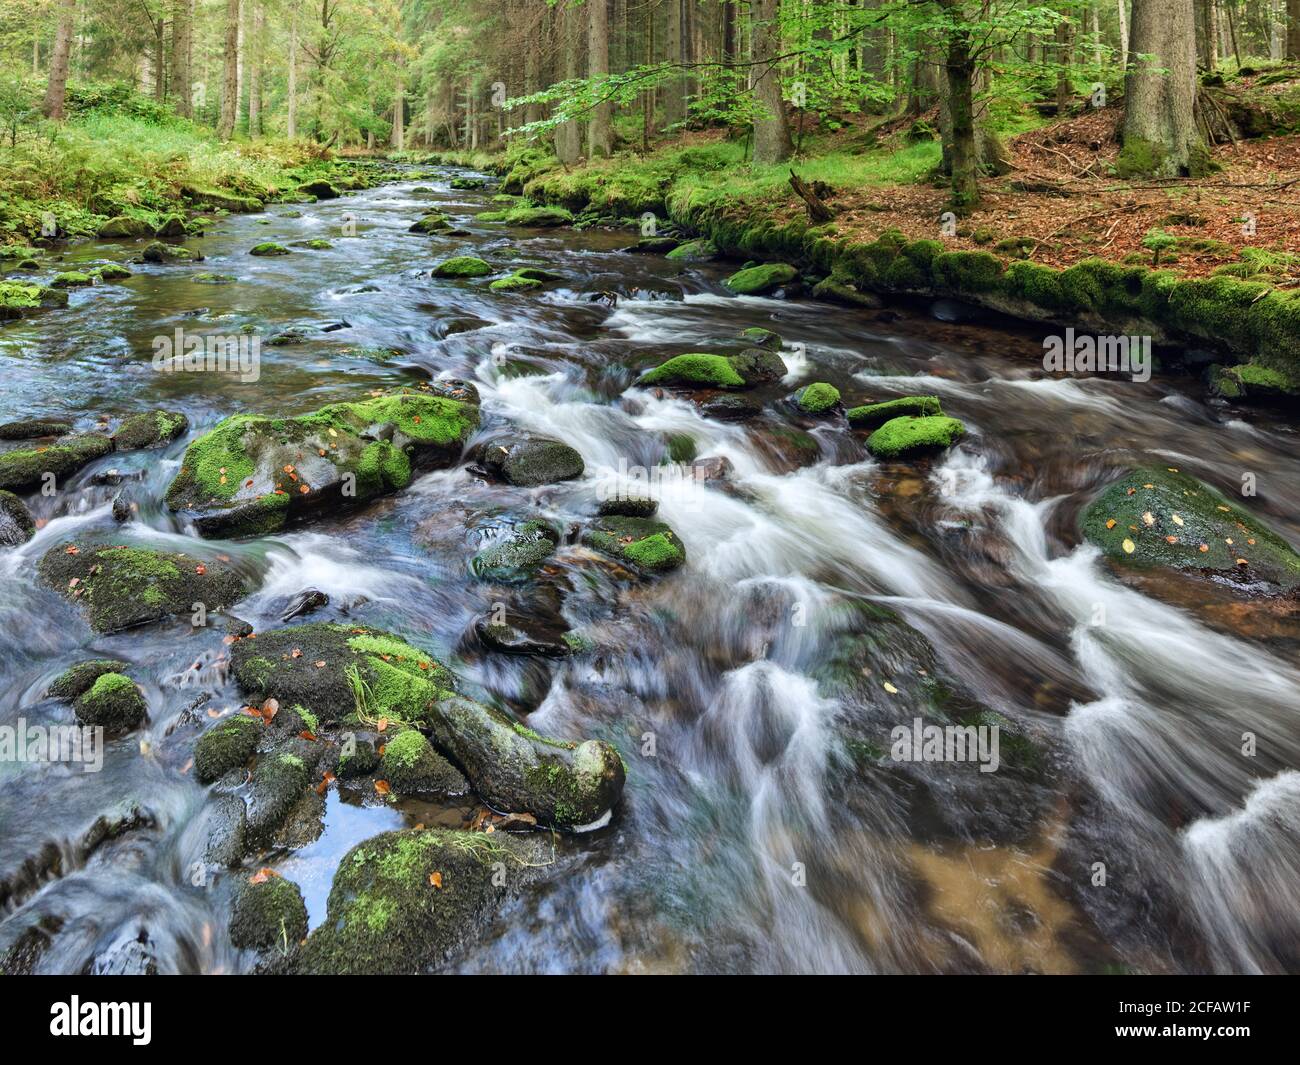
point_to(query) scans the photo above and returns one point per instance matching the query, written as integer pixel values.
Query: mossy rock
(967, 273)
(1251, 383)
(16, 524)
(405, 902)
(125, 226)
(171, 226)
(467, 183)
(279, 782)
(18, 299)
(908, 435)
(695, 370)
(564, 784)
(760, 280)
(653, 246)
(518, 557)
(537, 217)
(35, 428)
(268, 247)
(72, 279)
(759, 366)
(629, 506)
(214, 279)
(645, 544)
(431, 222)
(268, 914)
(119, 586)
(755, 336)
(227, 745)
(462, 266)
(221, 199)
(25, 469)
(113, 702)
(528, 461)
(320, 188)
(1186, 516)
(516, 282)
(253, 474)
(694, 251)
(358, 758)
(873, 415)
(150, 429)
(110, 272)
(818, 398)
(158, 252)
(77, 680)
(367, 673)
(412, 767)
(315, 244)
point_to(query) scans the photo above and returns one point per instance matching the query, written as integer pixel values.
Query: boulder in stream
(527, 461)
(267, 911)
(760, 280)
(910, 436)
(228, 744)
(151, 428)
(462, 266)
(253, 474)
(350, 675)
(16, 524)
(1159, 517)
(113, 702)
(412, 767)
(76, 680)
(874, 415)
(647, 545)
(406, 901)
(18, 299)
(26, 469)
(120, 586)
(817, 398)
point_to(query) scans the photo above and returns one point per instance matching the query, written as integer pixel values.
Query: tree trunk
(230, 73)
(255, 59)
(675, 88)
(181, 81)
(1159, 132)
(160, 59)
(568, 135)
(399, 115)
(771, 133)
(1293, 29)
(1123, 33)
(291, 127)
(57, 89)
(600, 141)
(959, 71)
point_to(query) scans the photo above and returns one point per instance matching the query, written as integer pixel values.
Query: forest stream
(827, 597)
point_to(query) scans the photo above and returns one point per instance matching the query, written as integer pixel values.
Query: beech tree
(1159, 133)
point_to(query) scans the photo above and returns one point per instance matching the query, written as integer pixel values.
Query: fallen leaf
(1110, 523)
(262, 876)
(200, 569)
(435, 878)
(1175, 519)
(1129, 547)
(382, 724)
(1204, 548)
(382, 787)
(1148, 518)
(890, 688)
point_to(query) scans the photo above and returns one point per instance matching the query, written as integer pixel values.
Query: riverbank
(1205, 266)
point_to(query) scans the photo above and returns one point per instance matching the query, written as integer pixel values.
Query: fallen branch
(818, 212)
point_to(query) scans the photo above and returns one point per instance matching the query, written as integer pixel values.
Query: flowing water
(764, 826)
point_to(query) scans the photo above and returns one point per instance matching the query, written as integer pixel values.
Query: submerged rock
(653, 246)
(527, 461)
(646, 544)
(16, 524)
(268, 912)
(150, 429)
(519, 556)
(26, 468)
(406, 901)
(119, 586)
(113, 702)
(158, 252)
(873, 415)
(759, 280)
(908, 435)
(252, 474)
(1158, 517)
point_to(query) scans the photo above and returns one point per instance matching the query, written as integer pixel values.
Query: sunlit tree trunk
(771, 132)
(1159, 132)
(57, 88)
(230, 73)
(600, 141)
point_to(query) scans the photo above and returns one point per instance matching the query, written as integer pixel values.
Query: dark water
(762, 829)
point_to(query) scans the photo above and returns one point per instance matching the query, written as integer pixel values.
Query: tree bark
(674, 88)
(255, 59)
(291, 127)
(230, 73)
(1292, 29)
(568, 135)
(771, 132)
(600, 142)
(181, 81)
(1159, 131)
(57, 89)
(961, 147)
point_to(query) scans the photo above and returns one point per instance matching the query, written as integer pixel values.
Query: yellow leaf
(890, 688)
(1148, 518)
(1129, 546)
(1176, 519)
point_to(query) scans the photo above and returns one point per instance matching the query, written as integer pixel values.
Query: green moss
(462, 266)
(758, 280)
(694, 251)
(268, 247)
(78, 679)
(516, 282)
(818, 398)
(1139, 158)
(905, 435)
(967, 272)
(872, 415)
(268, 915)
(112, 702)
(649, 545)
(537, 217)
(227, 745)
(72, 279)
(24, 469)
(695, 369)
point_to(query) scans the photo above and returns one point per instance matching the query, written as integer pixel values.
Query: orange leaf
(382, 787)
(262, 876)
(435, 878)
(200, 569)
(382, 724)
